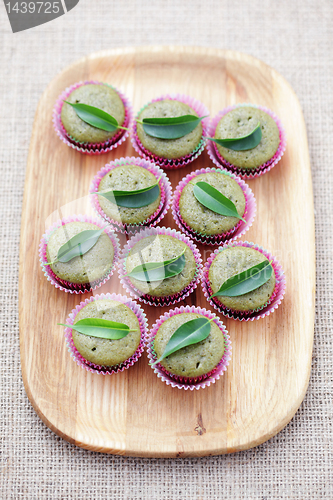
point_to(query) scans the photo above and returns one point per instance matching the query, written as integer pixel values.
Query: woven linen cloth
(296, 38)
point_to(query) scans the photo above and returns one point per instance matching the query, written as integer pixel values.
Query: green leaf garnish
(189, 333)
(213, 199)
(246, 281)
(79, 244)
(244, 143)
(133, 199)
(101, 328)
(157, 271)
(95, 117)
(170, 127)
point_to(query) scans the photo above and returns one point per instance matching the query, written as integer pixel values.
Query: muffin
(101, 355)
(231, 260)
(78, 134)
(192, 366)
(239, 121)
(170, 153)
(205, 225)
(131, 174)
(158, 246)
(83, 272)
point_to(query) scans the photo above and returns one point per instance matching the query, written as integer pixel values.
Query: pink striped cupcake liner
(86, 148)
(107, 370)
(149, 299)
(235, 232)
(185, 382)
(165, 187)
(64, 285)
(218, 159)
(199, 108)
(265, 310)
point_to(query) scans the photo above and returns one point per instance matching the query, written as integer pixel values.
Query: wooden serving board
(134, 413)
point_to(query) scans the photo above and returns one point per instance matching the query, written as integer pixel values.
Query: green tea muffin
(175, 260)
(202, 220)
(192, 361)
(127, 178)
(157, 248)
(100, 96)
(105, 352)
(231, 261)
(168, 148)
(83, 269)
(239, 122)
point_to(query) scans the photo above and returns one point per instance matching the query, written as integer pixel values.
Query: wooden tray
(134, 413)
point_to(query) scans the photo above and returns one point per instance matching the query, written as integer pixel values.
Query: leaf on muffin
(213, 199)
(246, 281)
(100, 328)
(189, 333)
(78, 245)
(133, 199)
(170, 127)
(157, 271)
(243, 143)
(95, 117)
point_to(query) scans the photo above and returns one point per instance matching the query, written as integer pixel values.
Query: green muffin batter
(202, 219)
(157, 249)
(169, 148)
(97, 95)
(232, 261)
(240, 122)
(86, 268)
(107, 352)
(194, 360)
(127, 178)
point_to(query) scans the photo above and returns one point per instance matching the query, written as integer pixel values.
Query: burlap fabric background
(296, 38)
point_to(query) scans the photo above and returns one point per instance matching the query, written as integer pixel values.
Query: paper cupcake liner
(86, 148)
(64, 285)
(164, 184)
(235, 232)
(149, 299)
(247, 173)
(183, 382)
(199, 108)
(265, 310)
(107, 370)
